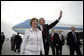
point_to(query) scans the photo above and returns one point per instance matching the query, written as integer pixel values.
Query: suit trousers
(74, 48)
(59, 50)
(53, 48)
(46, 48)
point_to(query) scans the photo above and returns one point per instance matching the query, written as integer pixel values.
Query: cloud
(18, 11)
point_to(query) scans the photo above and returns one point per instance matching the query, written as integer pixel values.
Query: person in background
(73, 41)
(32, 42)
(12, 42)
(2, 40)
(17, 41)
(45, 31)
(60, 43)
(53, 37)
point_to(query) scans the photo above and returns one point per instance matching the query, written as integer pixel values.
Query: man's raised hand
(60, 15)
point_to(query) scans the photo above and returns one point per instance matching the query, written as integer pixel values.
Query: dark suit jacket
(61, 42)
(55, 39)
(70, 39)
(12, 39)
(17, 39)
(45, 33)
(2, 38)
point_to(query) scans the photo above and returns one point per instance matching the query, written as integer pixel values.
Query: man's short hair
(40, 19)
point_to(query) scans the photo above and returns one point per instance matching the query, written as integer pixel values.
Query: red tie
(52, 37)
(42, 28)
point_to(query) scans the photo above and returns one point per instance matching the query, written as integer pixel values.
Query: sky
(14, 12)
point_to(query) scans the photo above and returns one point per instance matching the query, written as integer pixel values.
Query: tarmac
(6, 49)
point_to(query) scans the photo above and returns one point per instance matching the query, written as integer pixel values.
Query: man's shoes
(18, 51)
(14, 50)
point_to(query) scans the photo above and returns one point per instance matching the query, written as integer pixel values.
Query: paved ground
(6, 50)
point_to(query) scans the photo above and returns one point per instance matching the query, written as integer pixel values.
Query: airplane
(65, 28)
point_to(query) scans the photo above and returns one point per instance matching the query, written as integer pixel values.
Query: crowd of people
(36, 40)
(16, 41)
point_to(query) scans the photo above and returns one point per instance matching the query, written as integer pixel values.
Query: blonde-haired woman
(32, 43)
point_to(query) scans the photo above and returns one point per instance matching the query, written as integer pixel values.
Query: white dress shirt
(32, 43)
(41, 28)
(60, 36)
